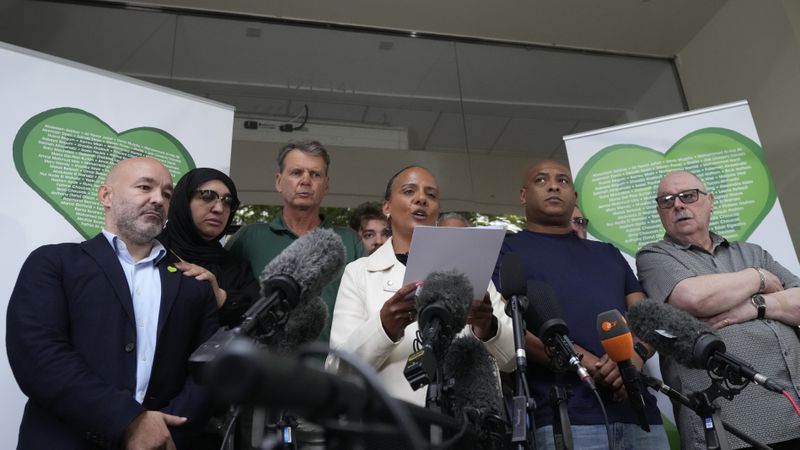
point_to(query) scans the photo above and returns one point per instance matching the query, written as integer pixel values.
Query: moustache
(683, 214)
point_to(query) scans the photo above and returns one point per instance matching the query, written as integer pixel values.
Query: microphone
(291, 282)
(475, 388)
(513, 281)
(690, 342)
(513, 286)
(295, 278)
(618, 343)
(543, 318)
(304, 325)
(442, 306)
(245, 373)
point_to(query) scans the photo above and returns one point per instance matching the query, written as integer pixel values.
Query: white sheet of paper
(471, 251)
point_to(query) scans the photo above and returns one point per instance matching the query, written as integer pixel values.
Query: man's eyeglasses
(690, 196)
(208, 196)
(582, 222)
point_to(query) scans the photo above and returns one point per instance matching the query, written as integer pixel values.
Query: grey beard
(133, 226)
(139, 234)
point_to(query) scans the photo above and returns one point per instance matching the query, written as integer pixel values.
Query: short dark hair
(365, 212)
(313, 148)
(388, 193)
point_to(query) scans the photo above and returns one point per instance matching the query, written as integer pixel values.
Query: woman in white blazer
(374, 316)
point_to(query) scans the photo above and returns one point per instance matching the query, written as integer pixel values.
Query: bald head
(682, 175)
(545, 163)
(126, 166)
(135, 196)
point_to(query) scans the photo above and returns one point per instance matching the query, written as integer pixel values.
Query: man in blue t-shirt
(588, 278)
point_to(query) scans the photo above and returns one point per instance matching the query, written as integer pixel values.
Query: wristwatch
(760, 304)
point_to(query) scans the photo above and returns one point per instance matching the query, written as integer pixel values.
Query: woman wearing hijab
(374, 316)
(200, 211)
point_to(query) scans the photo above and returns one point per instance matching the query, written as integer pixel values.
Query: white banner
(64, 124)
(617, 172)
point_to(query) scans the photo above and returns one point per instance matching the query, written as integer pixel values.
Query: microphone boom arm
(692, 404)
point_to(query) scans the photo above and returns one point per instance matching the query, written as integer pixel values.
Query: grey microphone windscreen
(669, 330)
(451, 291)
(474, 375)
(313, 260)
(513, 280)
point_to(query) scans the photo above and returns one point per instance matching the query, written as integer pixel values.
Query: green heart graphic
(65, 153)
(617, 186)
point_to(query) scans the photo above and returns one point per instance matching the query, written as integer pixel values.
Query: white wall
(751, 50)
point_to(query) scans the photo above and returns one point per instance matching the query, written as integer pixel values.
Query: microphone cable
(791, 400)
(229, 429)
(609, 435)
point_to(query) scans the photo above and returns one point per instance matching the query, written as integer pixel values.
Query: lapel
(170, 282)
(99, 249)
(383, 260)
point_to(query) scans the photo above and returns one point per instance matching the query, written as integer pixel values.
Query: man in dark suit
(99, 333)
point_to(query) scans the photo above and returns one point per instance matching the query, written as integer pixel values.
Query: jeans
(626, 436)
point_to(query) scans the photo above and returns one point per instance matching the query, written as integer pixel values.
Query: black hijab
(180, 235)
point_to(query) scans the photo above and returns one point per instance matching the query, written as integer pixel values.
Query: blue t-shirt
(588, 278)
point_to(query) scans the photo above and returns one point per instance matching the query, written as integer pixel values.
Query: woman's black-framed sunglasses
(210, 196)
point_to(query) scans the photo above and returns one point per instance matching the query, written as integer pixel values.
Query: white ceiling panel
(329, 111)
(535, 137)
(419, 123)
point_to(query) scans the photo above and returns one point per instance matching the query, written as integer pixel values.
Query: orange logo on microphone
(607, 326)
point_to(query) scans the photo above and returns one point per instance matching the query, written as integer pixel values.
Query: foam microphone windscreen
(513, 279)
(543, 315)
(304, 325)
(313, 260)
(448, 291)
(671, 331)
(474, 374)
(615, 335)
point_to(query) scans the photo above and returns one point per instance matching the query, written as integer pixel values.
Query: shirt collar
(157, 252)
(716, 241)
(277, 224)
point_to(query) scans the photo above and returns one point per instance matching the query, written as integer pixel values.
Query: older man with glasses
(738, 288)
(579, 223)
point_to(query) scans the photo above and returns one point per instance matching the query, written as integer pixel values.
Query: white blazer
(366, 285)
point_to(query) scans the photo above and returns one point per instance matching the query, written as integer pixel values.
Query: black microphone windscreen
(304, 325)
(313, 260)
(543, 316)
(474, 375)
(670, 331)
(449, 290)
(513, 280)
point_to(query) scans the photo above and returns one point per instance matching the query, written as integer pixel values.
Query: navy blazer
(71, 340)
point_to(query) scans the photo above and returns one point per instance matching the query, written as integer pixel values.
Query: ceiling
(642, 27)
(445, 95)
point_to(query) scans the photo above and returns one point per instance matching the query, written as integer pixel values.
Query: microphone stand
(436, 402)
(701, 403)
(562, 429)
(522, 405)
(559, 394)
